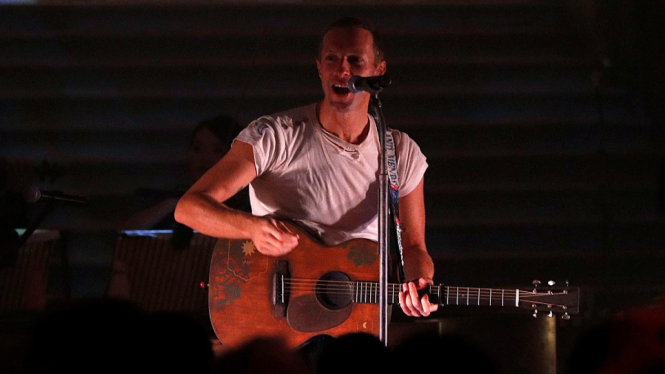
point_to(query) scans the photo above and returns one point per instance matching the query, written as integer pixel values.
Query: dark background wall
(542, 122)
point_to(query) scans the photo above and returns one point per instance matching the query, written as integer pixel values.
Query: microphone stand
(383, 240)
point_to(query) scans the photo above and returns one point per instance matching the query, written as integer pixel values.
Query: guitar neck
(368, 292)
(561, 299)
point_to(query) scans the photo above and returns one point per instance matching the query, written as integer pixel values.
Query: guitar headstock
(552, 299)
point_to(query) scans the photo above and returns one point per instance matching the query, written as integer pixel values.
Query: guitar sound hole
(334, 290)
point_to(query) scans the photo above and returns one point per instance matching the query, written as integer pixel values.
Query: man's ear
(318, 67)
(381, 68)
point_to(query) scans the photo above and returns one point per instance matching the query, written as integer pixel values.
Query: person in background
(153, 210)
(209, 142)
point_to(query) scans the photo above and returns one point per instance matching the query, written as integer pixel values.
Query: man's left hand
(412, 303)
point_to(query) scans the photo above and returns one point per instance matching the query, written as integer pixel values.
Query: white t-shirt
(306, 174)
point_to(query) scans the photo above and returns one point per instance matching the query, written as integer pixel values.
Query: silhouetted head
(210, 140)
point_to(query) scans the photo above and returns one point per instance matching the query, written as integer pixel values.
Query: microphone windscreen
(32, 194)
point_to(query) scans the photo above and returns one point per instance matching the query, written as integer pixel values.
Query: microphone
(33, 194)
(372, 85)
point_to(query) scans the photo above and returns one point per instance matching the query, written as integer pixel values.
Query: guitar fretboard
(479, 296)
(369, 292)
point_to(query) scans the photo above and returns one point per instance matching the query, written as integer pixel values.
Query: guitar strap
(396, 231)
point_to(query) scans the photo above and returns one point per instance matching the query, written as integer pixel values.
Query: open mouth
(341, 89)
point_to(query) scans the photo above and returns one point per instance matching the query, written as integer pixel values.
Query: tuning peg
(550, 315)
(535, 283)
(551, 283)
(565, 316)
(535, 313)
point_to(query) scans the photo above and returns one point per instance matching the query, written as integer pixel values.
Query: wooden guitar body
(244, 304)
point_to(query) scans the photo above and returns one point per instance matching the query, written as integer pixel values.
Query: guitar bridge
(280, 294)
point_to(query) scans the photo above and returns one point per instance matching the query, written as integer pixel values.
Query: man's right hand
(272, 237)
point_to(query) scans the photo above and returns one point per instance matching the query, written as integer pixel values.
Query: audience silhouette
(104, 335)
(265, 355)
(355, 353)
(89, 335)
(179, 343)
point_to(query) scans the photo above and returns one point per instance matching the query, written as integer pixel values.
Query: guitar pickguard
(306, 314)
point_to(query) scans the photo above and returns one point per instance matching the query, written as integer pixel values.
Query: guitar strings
(363, 290)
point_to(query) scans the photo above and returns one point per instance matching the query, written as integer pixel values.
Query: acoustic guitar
(333, 290)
